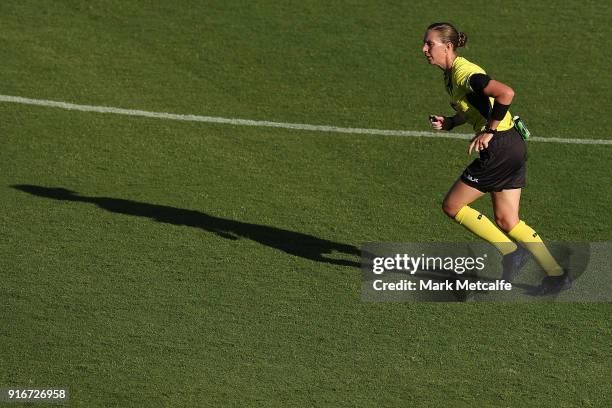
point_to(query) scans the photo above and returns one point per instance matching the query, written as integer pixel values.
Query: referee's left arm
(500, 92)
(503, 96)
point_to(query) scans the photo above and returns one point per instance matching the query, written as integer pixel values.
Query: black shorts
(501, 166)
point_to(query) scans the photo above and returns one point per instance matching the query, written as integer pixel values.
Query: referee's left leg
(506, 207)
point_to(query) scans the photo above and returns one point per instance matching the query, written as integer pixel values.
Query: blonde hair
(449, 34)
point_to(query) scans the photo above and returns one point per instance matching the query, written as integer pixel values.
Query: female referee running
(500, 168)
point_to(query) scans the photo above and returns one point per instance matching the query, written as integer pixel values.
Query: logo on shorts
(472, 179)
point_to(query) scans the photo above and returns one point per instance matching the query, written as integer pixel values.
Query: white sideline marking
(262, 123)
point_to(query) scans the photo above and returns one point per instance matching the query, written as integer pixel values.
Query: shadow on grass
(291, 242)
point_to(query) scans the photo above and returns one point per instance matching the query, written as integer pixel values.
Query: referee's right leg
(456, 206)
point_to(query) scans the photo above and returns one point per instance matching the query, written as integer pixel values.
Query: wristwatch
(489, 130)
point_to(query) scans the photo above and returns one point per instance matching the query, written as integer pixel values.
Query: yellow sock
(485, 229)
(525, 234)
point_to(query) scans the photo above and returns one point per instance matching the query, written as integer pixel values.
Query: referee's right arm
(451, 122)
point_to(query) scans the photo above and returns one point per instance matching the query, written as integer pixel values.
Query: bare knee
(450, 208)
(459, 195)
(506, 222)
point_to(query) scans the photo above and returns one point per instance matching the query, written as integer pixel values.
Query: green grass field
(188, 267)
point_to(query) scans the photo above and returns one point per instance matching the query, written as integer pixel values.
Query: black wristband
(452, 122)
(499, 111)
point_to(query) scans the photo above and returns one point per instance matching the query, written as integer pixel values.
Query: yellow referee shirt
(476, 108)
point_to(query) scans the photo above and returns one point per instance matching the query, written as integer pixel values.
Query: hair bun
(461, 40)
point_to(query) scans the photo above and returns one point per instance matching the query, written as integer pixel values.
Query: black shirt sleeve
(478, 82)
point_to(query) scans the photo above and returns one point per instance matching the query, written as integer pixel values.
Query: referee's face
(434, 49)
